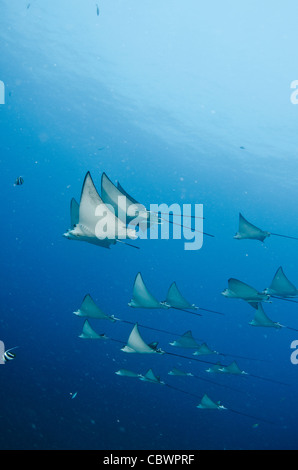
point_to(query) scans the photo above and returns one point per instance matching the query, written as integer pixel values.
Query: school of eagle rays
(84, 217)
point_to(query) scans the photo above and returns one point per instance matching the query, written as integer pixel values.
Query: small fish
(8, 355)
(254, 426)
(73, 395)
(28, 6)
(97, 10)
(19, 181)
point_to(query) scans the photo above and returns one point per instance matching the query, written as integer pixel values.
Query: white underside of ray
(141, 297)
(90, 200)
(128, 373)
(239, 290)
(204, 350)
(112, 195)
(136, 344)
(233, 369)
(249, 231)
(82, 234)
(81, 229)
(261, 319)
(186, 341)
(151, 377)
(89, 333)
(147, 218)
(74, 213)
(179, 373)
(175, 298)
(92, 211)
(281, 286)
(127, 209)
(216, 369)
(91, 310)
(208, 404)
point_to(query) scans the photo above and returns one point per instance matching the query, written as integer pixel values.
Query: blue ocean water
(182, 102)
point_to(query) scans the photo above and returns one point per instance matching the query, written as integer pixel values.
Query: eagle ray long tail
(212, 363)
(187, 311)
(152, 328)
(182, 391)
(243, 357)
(284, 236)
(171, 333)
(284, 298)
(199, 308)
(184, 226)
(251, 416)
(190, 358)
(211, 311)
(207, 362)
(175, 215)
(268, 380)
(128, 244)
(228, 409)
(290, 328)
(217, 383)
